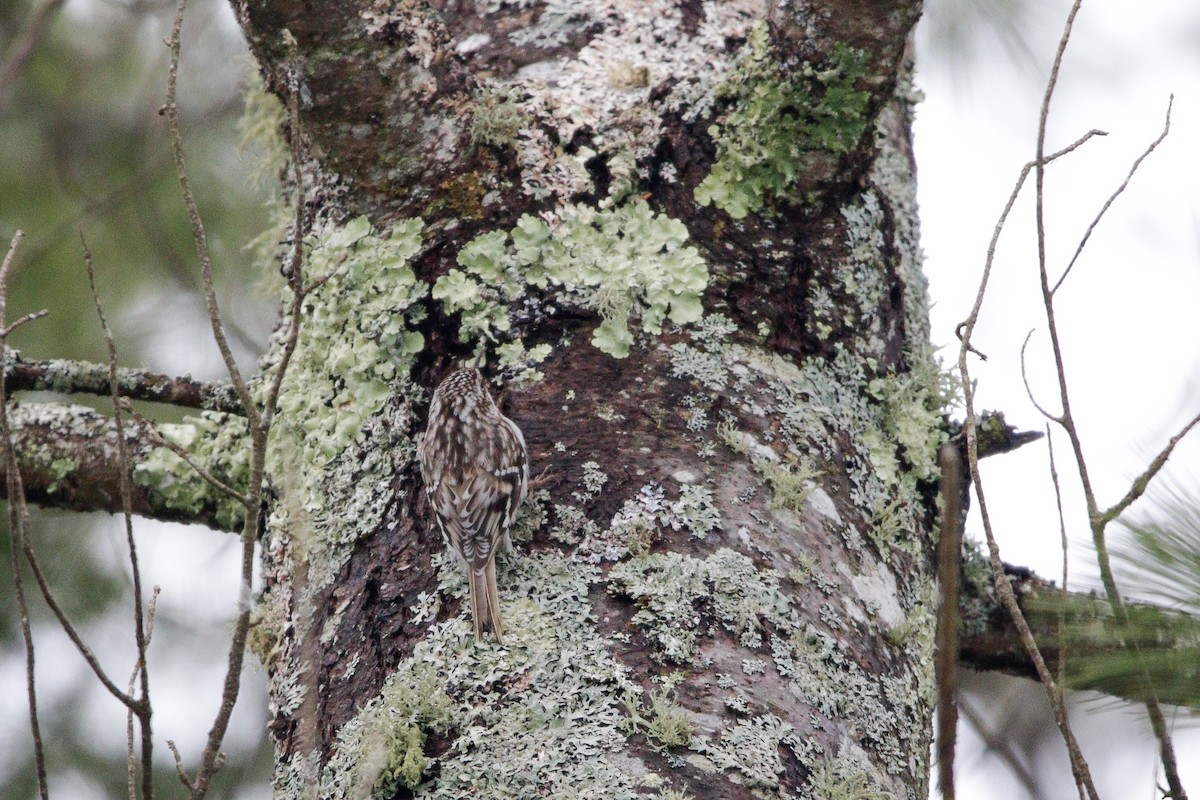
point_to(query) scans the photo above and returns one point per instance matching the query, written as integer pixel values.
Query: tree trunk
(684, 238)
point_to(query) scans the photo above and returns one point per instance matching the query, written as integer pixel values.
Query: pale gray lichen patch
(534, 716)
(883, 431)
(641, 61)
(674, 593)
(348, 378)
(749, 750)
(848, 775)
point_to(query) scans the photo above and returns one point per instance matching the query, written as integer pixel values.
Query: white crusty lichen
(672, 591)
(883, 430)
(550, 738)
(640, 62)
(749, 750)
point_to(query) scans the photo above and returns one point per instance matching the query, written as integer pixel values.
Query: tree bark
(684, 237)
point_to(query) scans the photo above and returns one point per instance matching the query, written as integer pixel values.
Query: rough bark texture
(711, 328)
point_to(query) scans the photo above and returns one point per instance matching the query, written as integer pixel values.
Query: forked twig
(131, 776)
(1097, 519)
(1112, 197)
(1004, 590)
(258, 417)
(193, 214)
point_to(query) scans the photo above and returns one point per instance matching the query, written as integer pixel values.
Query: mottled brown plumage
(476, 469)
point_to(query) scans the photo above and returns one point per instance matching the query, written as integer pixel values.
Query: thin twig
(210, 757)
(30, 317)
(1098, 520)
(1028, 389)
(179, 770)
(6, 264)
(1112, 198)
(124, 466)
(295, 265)
(187, 457)
(1142, 482)
(18, 521)
(198, 234)
(259, 421)
(131, 762)
(964, 330)
(1003, 589)
(1062, 605)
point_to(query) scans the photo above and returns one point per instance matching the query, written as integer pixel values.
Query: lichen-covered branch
(68, 459)
(80, 377)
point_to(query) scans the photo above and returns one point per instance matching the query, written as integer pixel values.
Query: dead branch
(1079, 765)
(80, 377)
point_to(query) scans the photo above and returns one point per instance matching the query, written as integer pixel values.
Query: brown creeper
(476, 469)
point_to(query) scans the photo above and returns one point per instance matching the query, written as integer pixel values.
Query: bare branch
(6, 264)
(18, 516)
(179, 770)
(1111, 198)
(198, 234)
(81, 377)
(1096, 519)
(967, 327)
(260, 422)
(1004, 590)
(1062, 534)
(131, 761)
(30, 317)
(1142, 482)
(125, 473)
(67, 458)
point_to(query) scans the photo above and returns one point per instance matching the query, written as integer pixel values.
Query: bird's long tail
(485, 601)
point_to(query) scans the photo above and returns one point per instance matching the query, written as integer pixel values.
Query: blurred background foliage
(84, 149)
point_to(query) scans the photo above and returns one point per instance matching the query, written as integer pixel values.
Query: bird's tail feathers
(485, 601)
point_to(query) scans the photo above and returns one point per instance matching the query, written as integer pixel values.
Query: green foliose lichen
(775, 120)
(216, 441)
(661, 720)
(357, 336)
(625, 263)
